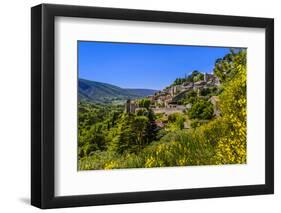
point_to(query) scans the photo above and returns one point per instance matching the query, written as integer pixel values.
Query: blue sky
(148, 66)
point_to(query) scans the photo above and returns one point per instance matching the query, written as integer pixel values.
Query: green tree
(225, 68)
(198, 77)
(191, 97)
(125, 135)
(145, 102)
(92, 140)
(233, 106)
(195, 76)
(176, 121)
(201, 109)
(140, 127)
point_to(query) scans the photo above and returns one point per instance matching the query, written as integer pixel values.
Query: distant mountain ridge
(104, 93)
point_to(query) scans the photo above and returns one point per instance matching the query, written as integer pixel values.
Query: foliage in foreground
(219, 141)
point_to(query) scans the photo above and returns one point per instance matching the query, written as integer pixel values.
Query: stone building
(130, 106)
(214, 100)
(211, 79)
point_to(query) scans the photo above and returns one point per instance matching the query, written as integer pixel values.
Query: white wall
(15, 105)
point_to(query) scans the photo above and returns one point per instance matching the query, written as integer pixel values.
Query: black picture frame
(43, 110)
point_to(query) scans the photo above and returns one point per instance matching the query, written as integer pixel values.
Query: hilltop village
(169, 100)
(198, 119)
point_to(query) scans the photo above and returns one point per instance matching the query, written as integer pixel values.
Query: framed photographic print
(139, 106)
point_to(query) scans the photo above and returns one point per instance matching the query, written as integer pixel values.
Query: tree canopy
(111, 138)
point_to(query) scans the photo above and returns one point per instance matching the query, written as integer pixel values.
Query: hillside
(199, 119)
(104, 93)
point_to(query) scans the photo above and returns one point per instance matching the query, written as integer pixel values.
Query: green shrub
(201, 109)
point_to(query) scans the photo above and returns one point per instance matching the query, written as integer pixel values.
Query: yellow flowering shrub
(231, 148)
(111, 165)
(221, 140)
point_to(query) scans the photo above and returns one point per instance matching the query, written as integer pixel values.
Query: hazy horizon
(116, 85)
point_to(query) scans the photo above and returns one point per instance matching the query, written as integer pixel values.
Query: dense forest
(210, 130)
